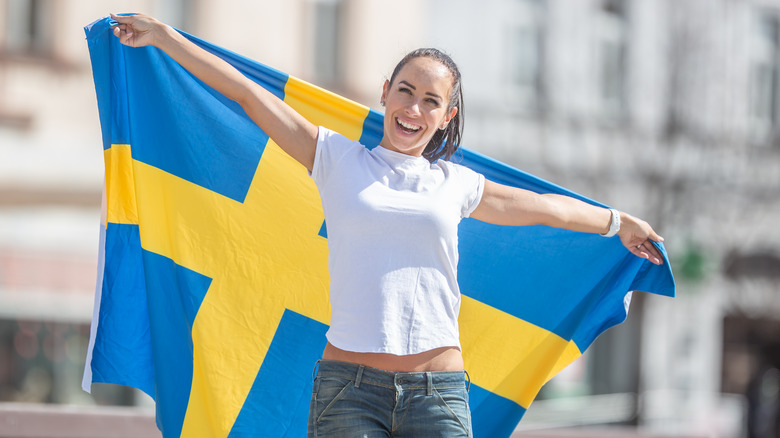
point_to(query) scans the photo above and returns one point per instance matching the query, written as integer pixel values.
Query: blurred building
(666, 109)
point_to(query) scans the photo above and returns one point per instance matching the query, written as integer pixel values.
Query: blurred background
(667, 109)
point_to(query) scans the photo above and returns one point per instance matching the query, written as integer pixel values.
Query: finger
(120, 32)
(647, 250)
(638, 251)
(125, 34)
(654, 255)
(655, 237)
(124, 19)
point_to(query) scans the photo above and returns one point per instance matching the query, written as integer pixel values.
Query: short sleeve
(332, 147)
(316, 171)
(470, 183)
(475, 187)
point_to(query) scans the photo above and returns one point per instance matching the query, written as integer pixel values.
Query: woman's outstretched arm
(504, 205)
(288, 129)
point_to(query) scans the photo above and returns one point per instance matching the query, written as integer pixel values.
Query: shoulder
(333, 140)
(333, 150)
(470, 182)
(326, 135)
(457, 170)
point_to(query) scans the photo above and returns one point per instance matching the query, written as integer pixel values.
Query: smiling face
(416, 105)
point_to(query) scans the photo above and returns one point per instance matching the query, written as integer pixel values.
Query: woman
(393, 364)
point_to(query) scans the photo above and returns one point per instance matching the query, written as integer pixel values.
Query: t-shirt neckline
(400, 158)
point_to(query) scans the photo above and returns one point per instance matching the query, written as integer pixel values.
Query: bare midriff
(438, 359)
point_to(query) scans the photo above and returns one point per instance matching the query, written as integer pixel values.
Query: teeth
(408, 126)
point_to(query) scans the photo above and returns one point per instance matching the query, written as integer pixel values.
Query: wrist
(164, 35)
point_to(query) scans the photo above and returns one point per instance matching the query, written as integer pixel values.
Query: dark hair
(445, 142)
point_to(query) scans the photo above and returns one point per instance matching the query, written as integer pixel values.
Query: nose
(413, 108)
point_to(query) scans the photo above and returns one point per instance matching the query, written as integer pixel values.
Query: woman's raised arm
(288, 129)
(504, 205)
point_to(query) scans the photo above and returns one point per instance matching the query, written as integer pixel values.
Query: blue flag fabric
(213, 296)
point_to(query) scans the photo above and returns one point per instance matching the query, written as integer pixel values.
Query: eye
(432, 101)
(405, 90)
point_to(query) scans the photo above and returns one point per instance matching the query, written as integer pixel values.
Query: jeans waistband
(362, 374)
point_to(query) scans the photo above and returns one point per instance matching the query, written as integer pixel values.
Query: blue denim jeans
(350, 400)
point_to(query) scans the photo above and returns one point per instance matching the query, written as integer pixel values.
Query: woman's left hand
(638, 236)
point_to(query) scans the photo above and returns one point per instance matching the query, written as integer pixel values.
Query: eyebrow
(415, 88)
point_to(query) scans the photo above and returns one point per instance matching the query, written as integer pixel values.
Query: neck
(416, 152)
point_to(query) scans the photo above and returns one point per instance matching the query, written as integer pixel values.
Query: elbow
(241, 96)
(242, 91)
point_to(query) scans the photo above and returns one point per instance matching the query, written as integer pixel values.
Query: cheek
(388, 123)
(436, 117)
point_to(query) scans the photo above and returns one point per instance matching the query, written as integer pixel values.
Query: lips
(406, 127)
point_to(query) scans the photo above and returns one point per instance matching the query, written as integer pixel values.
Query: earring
(382, 102)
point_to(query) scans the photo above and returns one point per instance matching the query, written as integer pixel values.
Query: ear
(448, 117)
(385, 89)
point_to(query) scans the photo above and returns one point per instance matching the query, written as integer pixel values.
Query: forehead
(426, 72)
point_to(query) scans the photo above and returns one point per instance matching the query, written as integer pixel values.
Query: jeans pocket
(456, 402)
(329, 391)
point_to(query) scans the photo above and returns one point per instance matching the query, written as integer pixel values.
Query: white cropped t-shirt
(392, 226)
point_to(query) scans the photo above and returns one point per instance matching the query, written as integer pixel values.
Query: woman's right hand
(290, 130)
(137, 30)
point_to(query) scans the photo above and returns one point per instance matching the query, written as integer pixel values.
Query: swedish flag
(214, 291)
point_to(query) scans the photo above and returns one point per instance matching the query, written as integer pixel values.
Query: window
(612, 45)
(764, 72)
(326, 34)
(42, 362)
(28, 27)
(527, 52)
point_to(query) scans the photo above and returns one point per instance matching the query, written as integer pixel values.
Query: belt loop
(430, 382)
(468, 380)
(359, 376)
(314, 371)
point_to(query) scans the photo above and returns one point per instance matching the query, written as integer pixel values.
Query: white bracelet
(614, 224)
